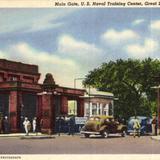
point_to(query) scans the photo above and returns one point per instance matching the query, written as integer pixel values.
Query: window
(86, 111)
(94, 109)
(105, 109)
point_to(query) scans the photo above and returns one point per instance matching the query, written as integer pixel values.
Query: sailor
(27, 125)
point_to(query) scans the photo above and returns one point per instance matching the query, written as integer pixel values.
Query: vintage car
(103, 125)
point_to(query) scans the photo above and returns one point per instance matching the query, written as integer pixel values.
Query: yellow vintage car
(103, 125)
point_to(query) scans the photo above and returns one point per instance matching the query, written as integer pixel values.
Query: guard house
(98, 103)
(22, 96)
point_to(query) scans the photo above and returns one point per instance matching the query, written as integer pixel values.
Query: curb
(155, 138)
(67, 135)
(10, 136)
(33, 136)
(21, 135)
(37, 137)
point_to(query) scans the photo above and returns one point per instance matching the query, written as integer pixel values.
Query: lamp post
(75, 80)
(89, 91)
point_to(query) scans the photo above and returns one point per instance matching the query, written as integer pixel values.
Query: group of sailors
(59, 122)
(27, 125)
(65, 124)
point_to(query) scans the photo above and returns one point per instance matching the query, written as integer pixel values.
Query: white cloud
(137, 22)
(63, 69)
(155, 25)
(148, 49)
(44, 26)
(31, 20)
(47, 22)
(24, 50)
(114, 37)
(84, 53)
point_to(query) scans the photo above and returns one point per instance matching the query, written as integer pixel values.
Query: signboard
(80, 120)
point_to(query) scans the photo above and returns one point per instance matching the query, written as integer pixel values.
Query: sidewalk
(30, 136)
(157, 138)
(36, 135)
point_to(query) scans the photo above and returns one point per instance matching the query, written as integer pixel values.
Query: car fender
(102, 128)
(122, 127)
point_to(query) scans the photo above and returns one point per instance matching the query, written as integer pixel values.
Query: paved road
(80, 145)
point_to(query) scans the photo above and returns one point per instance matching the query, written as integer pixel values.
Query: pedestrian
(59, 124)
(41, 125)
(6, 125)
(71, 125)
(27, 125)
(154, 127)
(136, 127)
(34, 124)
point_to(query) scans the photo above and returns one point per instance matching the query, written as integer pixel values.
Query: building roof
(13, 66)
(92, 92)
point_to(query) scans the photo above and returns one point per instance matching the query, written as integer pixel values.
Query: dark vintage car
(103, 125)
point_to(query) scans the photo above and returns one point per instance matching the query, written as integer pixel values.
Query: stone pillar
(14, 111)
(64, 105)
(20, 114)
(90, 108)
(101, 108)
(107, 109)
(47, 113)
(39, 110)
(80, 107)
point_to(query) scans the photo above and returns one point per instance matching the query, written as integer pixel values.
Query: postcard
(79, 79)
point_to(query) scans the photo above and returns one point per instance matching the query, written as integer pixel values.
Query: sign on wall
(80, 120)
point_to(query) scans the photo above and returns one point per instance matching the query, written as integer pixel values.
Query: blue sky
(70, 42)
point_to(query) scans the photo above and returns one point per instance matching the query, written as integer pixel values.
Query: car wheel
(124, 133)
(86, 135)
(105, 134)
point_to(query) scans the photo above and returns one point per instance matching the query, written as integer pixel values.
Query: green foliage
(131, 81)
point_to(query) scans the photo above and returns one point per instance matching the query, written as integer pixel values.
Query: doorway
(4, 104)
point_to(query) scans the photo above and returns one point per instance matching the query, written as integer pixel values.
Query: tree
(131, 81)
